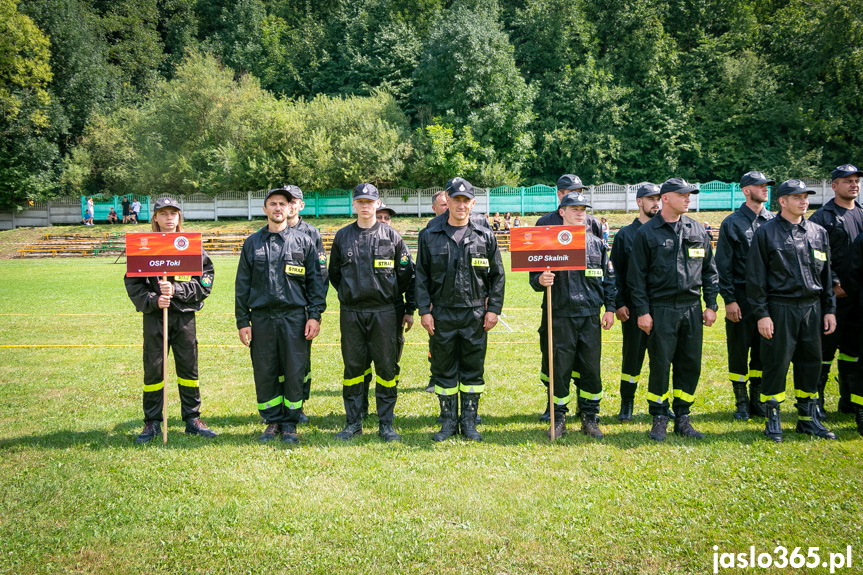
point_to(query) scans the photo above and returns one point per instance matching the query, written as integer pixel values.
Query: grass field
(79, 497)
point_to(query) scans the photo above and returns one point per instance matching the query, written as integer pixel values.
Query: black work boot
(590, 425)
(270, 432)
(546, 415)
(151, 430)
(449, 425)
(773, 425)
(756, 406)
(845, 405)
(197, 427)
(808, 421)
(559, 425)
(683, 427)
(627, 401)
(660, 425)
(858, 416)
(353, 416)
(289, 433)
(469, 407)
(741, 400)
(387, 433)
(822, 385)
(303, 417)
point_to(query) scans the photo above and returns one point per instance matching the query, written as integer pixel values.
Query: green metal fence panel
(102, 206)
(333, 202)
(504, 199)
(539, 199)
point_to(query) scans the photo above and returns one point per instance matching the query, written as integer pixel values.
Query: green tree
(467, 76)
(27, 153)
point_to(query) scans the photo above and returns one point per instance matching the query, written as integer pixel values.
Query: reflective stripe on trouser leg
(742, 341)
(458, 349)
(184, 345)
(152, 358)
(796, 338)
(279, 352)
(633, 349)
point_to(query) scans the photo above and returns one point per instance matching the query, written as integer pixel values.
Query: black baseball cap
(677, 185)
(846, 170)
(166, 203)
(459, 187)
(569, 182)
(573, 199)
(755, 178)
(647, 189)
(384, 208)
(289, 192)
(366, 192)
(789, 187)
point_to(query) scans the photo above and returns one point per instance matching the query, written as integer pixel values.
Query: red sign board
(164, 254)
(536, 249)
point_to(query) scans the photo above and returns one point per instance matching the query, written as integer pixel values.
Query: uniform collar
(786, 225)
(265, 232)
(832, 207)
(752, 216)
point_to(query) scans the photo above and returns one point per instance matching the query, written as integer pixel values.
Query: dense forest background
(185, 96)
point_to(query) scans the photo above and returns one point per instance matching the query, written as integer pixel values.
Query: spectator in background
(88, 214)
(506, 221)
(709, 230)
(127, 210)
(136, 211)
(495, 223)
(517, 222)
(605, 231)
(112, 217)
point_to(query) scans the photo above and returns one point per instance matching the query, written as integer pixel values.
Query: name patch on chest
(593, 273)
(295, 270)
(820, 255)
(479, 262)
(696, 252)
(387, 264)
(182, 278)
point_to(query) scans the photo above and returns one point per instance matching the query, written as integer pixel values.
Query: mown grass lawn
(79, 497)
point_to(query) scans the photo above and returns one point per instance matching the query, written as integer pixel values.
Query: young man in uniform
(789, 285)
(279, 298)
(295, 221)
(634, 340)
(460, 288)
(566, 184)
(671, 266)
(732, 251)
(577, 297)
(371, 269)
(842, 217)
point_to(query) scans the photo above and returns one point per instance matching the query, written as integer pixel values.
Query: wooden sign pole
(165, 373)
(550, 360)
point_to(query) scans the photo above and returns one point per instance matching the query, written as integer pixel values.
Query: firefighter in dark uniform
(183, 296)
(732, 250)
(295, 221)
(853, 288)
(566, 184)
(634, 340)
(459, 292)
(842, 217)
(441, 210)
(790, 288)
(280, 296)
(577, 298)
(371, 269)
(671, 265)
